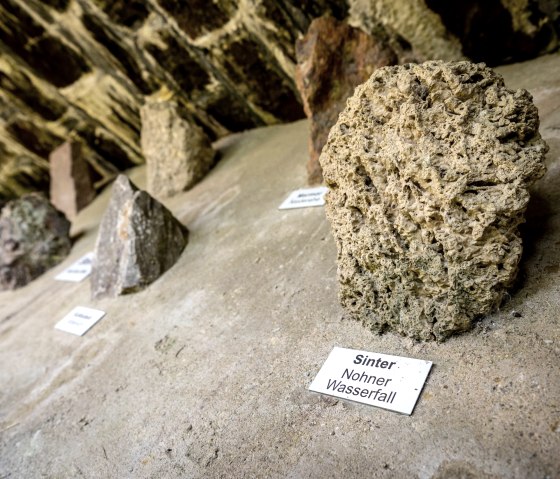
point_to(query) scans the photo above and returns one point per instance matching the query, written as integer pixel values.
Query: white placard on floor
(305, 198)
(79, 320)
(80, 270)
(388, 382)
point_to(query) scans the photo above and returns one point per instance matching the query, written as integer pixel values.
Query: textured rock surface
(333, 59)
(82, 68)
(178, 153)
(139, 239)
(33, 238)
(71, 180)
(411, 19)
(428, 169)
(501, 31)
(492, 31)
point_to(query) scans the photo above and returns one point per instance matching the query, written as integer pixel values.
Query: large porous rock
(333, 58)
(139, 239)
(34, 237)
(178, 153)
(71, 180)
(428, 168)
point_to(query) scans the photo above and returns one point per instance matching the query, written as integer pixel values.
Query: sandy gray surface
(205, 373)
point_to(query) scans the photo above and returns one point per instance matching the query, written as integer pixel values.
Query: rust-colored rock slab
(333, 58)
(71, 187)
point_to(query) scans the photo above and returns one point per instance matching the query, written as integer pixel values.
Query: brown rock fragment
(71, 182)
(333, 58)
(428, 169)
(178, 153)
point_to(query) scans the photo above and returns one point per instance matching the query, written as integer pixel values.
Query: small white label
(388, 382)
(80, 270)
(305, 198)
(79, 320)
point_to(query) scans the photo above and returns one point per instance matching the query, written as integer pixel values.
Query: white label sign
(79, 320)
(388, 382)
(304, 198)
(80, 270)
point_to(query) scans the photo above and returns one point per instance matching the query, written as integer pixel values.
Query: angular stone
(178, 153)
(333, 58)
(139, 239)
(34, 237)
(428, 169)
(71, 180)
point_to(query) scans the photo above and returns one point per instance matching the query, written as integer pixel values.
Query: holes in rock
(360, 170)
(482, 184)
(357, 218)
(417, 185)
(474, 78)
(507, 137)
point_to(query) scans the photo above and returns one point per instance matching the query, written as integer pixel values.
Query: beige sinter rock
(178, 153)
(428, 168)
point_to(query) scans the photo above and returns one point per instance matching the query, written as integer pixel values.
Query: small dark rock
(34, 237)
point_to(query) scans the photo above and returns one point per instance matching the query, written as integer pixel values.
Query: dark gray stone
(34, 237)
(139, 239)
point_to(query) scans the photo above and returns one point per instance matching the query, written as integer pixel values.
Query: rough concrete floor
(205, 373)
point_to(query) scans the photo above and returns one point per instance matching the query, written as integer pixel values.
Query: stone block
(178, 153)
(428, 169)
(333, 58)
(139, 239)
(71, 179)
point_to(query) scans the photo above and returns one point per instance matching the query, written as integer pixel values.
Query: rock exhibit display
(332, 59)
(71, 185)
(139, 239)
(34, 237)
(428, 170)
(178, 153)
(84, 67)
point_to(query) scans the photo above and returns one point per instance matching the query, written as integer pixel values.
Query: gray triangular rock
(139, 239)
